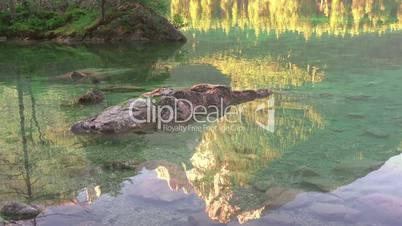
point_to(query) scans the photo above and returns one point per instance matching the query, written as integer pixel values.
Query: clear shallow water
(330, 154)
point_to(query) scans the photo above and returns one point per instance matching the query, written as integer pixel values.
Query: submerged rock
(326, 95)
(376, 133)
(278, 196)
(356, 115)
(91, 97)
(263, 185)
(356, 167)
(168, 106)
(316, 184)
(121, 165)
(358, 97)
(19, 211)
(80, 76)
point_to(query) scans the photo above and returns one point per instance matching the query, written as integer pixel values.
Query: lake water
(325, 149)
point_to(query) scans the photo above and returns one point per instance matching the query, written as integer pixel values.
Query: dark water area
(325, 149)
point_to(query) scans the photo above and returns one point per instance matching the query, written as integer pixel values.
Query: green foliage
(4, 21)
(78, 21)
(178, 21)
(34, 21)
(74, 20)
(29, 22)
(160, 6)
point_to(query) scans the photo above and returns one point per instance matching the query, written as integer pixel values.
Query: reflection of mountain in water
(230, 154)
(318, 17)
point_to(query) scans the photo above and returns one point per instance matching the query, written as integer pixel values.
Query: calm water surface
(324, 150)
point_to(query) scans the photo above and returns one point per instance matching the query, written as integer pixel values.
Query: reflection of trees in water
(44, 162)
(120, 63)
(338, 17)
(59, 169)
(263, 71)
(29, 170)
(27, 167)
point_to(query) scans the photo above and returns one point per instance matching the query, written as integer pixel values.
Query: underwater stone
(316, 184)
(326, 95)
(358, 97)
(357, 167)
(356, 115)
(277, 196)
(80, 76)
(121, 165)
(91, 97)
(262, 185)
(19, 211)
(375, 132)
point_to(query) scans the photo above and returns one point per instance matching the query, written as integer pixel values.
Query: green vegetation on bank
(27, 18)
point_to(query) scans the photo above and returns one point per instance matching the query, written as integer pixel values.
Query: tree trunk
(12, 8)
(102, 6)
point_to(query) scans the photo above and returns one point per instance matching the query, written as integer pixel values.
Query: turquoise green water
(329, 153)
